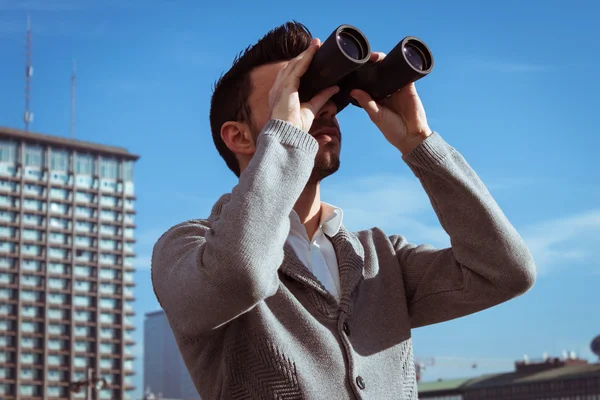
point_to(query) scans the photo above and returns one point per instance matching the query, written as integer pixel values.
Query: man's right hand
(284, 101)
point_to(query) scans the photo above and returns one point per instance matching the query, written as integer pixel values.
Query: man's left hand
(400, 117)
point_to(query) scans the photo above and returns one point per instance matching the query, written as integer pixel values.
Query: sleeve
(207, 273)
(488, 262)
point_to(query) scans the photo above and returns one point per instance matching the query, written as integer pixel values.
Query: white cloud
(396, 204)
(503, 66)
(566, 240)
(400, 205)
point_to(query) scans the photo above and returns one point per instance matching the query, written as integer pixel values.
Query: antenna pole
(28, 117)
(73, 81)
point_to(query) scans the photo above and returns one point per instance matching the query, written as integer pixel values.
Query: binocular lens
(415, 57)
(351, 45)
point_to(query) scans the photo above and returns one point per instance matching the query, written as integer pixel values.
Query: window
(59, 193)
(107, 318)
(80, 362)
(55, 313)
(56, 329)
(108, 288)
(82, 301)
(57, 253)
(29, 311)
(59, 223)
(31, 249)
(54, 360)
(34, 156)
(59, 160)
(84, 197)
(129, 204)
(33, 205)
(32, 219)
(128, 170)
(31, 188)
(108, 244)
(108, 259)
(84, 226)
(7, 262)
(27, 327)
(83, 271)
(85, 212)
(81, 347)
(57, 237)
(57, 268)
(83, 286)
(6, 231)
(83, 316)
(84, 164)
(28, 295)
(8, 151)
(55, 283)
(108, 303)
(109, 168)
(56, 298)
(108, 230)
(81, 330)
(108, 273)
(31, 234)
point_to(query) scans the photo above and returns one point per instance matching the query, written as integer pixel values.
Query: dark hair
(230, 93)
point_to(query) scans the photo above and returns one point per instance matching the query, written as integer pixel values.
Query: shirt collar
(331, 220)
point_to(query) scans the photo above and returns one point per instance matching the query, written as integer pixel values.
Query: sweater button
(346, 329)
(360, 382)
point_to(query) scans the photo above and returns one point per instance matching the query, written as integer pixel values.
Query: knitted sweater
(253, 323)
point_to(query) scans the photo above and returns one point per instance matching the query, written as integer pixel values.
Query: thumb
(367, 103)
(320, 99)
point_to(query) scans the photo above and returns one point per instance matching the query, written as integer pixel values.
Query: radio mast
(73, 81)
(28, 116)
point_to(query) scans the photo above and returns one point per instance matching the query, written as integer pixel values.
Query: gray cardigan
(253, 323)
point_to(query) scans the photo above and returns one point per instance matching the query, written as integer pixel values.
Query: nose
(329, 110)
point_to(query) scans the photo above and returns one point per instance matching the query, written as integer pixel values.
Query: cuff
(288, 135)
(430, 153)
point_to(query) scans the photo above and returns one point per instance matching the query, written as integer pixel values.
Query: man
(270, 297)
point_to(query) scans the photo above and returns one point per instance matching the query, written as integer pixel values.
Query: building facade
(552, 379)
(66, 267)
(165, 374)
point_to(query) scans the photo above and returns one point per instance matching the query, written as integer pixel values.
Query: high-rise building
(165, 374)
(66, 267)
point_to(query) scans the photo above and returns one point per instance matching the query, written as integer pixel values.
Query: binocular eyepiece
(343, 60)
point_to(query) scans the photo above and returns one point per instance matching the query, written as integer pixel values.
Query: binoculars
(343, 60)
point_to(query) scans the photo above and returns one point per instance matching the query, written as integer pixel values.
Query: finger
(304, 59)
(376, 56)
(319, 100)
(367, 103)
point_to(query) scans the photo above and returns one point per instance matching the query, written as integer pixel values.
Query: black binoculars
(343, 60)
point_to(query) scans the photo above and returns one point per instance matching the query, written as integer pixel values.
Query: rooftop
(58, 141)
(565, 372)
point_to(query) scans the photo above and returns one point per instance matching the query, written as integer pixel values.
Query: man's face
(324, 128)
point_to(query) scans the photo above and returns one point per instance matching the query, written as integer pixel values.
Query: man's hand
(284, 101)
(400, 117)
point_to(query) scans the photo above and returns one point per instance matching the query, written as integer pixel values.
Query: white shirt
(319, 255)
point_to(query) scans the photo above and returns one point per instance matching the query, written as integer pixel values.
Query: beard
(327, 162)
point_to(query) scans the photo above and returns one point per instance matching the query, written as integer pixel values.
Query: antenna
(73, 81)
(28, 117)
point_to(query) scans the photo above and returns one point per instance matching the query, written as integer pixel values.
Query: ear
(238, 138)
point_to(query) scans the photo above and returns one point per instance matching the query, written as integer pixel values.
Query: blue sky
(514, 89)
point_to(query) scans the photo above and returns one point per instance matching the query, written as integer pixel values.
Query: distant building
(66, 266)
(165, 374)
(555, 378)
